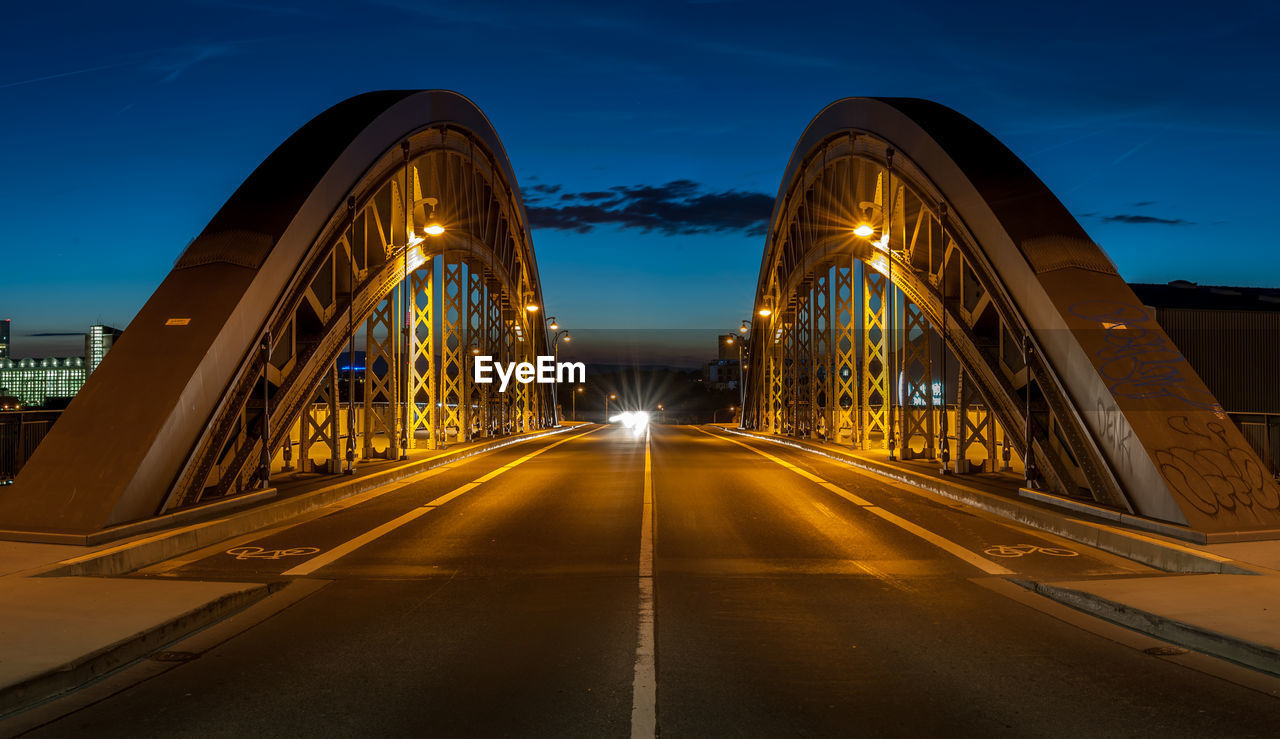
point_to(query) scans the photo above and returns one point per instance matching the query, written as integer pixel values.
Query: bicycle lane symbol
(242, 553)
(1018, 550)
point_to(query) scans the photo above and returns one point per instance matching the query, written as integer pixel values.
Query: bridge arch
(231, 368)
(986, 273)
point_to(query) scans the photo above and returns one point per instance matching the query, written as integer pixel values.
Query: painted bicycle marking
(1018, 550)
(260, 553)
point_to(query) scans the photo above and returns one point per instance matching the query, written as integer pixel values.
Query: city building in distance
(38, 381)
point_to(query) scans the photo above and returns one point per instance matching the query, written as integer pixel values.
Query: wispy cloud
(1140, 219)
(59, 75)
(677, 208)
(174, 64)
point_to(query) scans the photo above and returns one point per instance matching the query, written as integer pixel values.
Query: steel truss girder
(421, 380)
(917, 371)
(483, 215)
(802, 364)
(845, 408)
(452, 348)
(381, 387)
(821, 364)
(798, 251)
(875, 360)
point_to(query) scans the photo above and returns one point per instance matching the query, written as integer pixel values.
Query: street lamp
(663, 411)
(576, 392)
(716, 413)
(551, 323)
(558, 337)
(611, 396)
(351, 340)
(945, 452)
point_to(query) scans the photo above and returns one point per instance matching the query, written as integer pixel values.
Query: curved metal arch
(173, 405)
(1118, 411)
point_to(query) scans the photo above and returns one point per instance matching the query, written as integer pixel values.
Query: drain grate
(173, 656)
(1165, 651)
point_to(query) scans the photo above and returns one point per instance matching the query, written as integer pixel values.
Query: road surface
(508, 594)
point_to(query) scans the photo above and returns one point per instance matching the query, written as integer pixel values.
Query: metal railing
(1262, 431)
(20, 433)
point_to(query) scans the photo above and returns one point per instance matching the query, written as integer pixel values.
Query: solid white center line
(644, 687)
(347, 547)
(952, 548)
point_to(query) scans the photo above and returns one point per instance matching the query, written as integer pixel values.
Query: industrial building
(1230, 336)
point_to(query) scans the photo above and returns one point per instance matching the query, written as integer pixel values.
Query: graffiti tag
(1212, 474)
(1137, 360)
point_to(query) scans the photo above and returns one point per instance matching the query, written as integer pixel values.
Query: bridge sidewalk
(1221, 599)
(60, 629)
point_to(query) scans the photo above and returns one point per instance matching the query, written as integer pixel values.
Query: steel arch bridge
(233, 363)
(922, 291)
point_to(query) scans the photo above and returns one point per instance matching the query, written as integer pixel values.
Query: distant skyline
(649, 140)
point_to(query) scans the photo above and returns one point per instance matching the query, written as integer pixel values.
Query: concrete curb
(1256, 656)
(74, 674)
(1157, 553)
(140, 553)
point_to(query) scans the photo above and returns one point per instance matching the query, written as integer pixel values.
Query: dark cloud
(46, 334)
(543, 189)
(678, 207)
(1132, 218)
(1144, 203)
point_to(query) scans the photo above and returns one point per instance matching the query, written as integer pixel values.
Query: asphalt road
(792, 596)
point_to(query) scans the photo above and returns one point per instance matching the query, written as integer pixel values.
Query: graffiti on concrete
(1138, 360)
(1214, 475)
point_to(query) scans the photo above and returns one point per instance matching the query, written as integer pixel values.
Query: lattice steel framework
(917, 384)
(875, 360)
(422, 357)
(815, 264)
(416, 374)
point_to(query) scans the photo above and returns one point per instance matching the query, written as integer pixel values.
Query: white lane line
(644, 687)
(347, 547)
(948, 546)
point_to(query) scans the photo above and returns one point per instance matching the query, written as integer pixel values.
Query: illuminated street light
(532, 307)
(577, 391)
(765, 312)
(863, 230)
(552, 324)
(555, 341)
(433, 226)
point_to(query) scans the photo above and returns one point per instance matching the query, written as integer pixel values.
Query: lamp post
(945, 452)
(611, 396)
(1029, 460)
(716, 413)
(351, 339)
(556, 338)
(576, 392)
(742, 366)
(663, 411)
(892, 318)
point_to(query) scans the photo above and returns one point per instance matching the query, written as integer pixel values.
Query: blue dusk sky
(126, 125)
